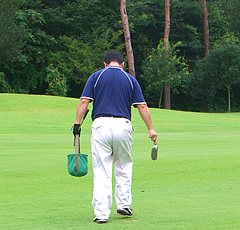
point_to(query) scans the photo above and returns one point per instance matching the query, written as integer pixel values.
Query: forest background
(52, 47)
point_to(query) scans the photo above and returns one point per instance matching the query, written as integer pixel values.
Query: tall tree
(127, 36)
(205, 26)
(157, 68)
(167, 95)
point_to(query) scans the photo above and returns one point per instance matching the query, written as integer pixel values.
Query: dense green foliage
(10, 33)
(219, 70)
(42, 42)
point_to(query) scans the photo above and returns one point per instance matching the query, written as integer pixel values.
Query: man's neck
(113, 63)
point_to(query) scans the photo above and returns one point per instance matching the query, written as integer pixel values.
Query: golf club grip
(86, 113)
(77, 144)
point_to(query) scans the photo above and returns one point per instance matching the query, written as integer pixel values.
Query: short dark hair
(113, 56)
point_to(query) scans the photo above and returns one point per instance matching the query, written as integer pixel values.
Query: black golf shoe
(125, 212)
(100, 221)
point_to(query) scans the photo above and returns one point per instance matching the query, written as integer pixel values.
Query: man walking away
(112, 91)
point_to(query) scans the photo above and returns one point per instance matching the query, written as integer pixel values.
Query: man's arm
(81, 109)
(146, 116)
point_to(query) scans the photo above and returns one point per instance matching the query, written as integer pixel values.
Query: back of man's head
(113, 56)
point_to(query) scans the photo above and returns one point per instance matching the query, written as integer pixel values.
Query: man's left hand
(76, 129)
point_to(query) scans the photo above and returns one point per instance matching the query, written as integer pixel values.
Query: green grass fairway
(194, 184)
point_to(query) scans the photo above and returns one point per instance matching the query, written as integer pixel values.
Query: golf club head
(154, 152)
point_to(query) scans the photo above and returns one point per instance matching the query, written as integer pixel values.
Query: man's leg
(102, 170)
(123, 163)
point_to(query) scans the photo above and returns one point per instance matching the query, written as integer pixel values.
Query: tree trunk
(160, 99)
(127, 37)
(167, 94)
(205, 26)
(167, 99)
(229, 98)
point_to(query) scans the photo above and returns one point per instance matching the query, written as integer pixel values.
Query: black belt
(112, 116)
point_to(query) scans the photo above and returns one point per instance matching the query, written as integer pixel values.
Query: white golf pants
(111, 142)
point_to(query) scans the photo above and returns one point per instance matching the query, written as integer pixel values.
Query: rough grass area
(194, 184)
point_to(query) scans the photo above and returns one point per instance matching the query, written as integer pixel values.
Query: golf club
(77, 155)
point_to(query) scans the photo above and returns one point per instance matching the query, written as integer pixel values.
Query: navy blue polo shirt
(112, 91)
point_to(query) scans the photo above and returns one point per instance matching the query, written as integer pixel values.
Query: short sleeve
(137, 94)
(88, 91)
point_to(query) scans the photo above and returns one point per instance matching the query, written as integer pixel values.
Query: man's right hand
(76, 129)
